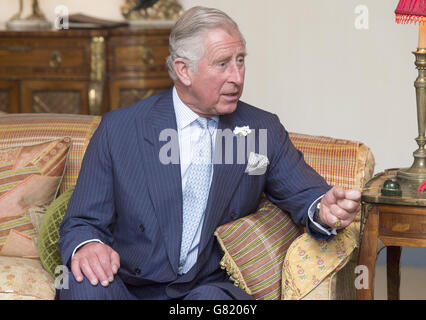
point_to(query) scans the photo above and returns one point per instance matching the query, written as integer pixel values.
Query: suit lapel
(163, 180)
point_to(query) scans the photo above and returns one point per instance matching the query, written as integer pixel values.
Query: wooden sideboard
(81, 71)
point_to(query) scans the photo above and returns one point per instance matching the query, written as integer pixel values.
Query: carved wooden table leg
(368, 253)
(393, 258)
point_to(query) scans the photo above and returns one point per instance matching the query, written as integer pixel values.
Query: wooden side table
(393, 222)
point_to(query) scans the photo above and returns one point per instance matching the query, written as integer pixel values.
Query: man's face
(218, 83)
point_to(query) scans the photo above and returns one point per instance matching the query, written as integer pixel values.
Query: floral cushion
(30, 177)
(22, 278)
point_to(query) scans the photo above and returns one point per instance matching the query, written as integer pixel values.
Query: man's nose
(237, 74)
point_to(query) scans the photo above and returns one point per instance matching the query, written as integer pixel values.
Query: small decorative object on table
(140, 12)
(35, 21)
(391, 188)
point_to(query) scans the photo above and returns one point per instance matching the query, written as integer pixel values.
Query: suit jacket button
(142, 228)
(137, 271)
(234, 215)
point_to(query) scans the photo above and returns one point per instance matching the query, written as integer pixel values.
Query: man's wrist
(83, 243)
(317, 218)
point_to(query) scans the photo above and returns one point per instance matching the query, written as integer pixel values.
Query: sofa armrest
(311, 265)
(323, 283)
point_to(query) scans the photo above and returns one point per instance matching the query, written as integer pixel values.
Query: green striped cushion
(250, 242)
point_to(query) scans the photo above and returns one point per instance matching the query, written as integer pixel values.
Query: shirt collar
(184, 115)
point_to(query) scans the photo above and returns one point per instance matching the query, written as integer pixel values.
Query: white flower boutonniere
(242, 131)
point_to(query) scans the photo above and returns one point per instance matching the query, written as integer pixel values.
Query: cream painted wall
(309, 64)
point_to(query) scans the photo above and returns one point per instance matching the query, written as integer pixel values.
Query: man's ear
(182, 71)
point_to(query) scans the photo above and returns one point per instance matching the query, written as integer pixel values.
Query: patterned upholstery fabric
(335, 159)
(341, 162)
(353, 163)
(49, 232)
(29, 181)
(249, 243)
(324, 291)
(24, 279)
(25, 129)
(308, 263)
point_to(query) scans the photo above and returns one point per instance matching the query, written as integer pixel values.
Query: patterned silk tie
(197, 188)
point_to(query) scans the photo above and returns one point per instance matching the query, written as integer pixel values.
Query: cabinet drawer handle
(55, 59)
(147, 56)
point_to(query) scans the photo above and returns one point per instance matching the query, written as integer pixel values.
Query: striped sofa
(342, 162)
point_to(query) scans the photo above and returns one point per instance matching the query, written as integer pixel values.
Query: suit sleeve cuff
(82, 244)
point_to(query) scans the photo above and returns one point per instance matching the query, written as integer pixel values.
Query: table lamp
(35, 21)
(414, 11)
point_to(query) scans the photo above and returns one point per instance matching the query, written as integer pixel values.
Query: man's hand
(97, 261)
(339, 207)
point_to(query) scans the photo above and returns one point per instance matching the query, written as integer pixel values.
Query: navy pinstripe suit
(131, 201)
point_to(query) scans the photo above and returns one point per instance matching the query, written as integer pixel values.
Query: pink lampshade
(411, 11)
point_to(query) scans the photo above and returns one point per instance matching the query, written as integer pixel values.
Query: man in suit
(140, 224)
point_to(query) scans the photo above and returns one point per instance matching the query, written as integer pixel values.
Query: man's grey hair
(186, 39)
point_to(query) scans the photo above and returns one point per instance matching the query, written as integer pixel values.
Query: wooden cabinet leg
(368, 254)
(393, 259)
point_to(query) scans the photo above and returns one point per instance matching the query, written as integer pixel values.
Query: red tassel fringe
(405, 19)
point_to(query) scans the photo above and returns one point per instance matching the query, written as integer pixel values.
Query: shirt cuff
(82, 244)
(319, 227)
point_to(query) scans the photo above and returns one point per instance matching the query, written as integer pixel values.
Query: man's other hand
(97, 261)
(339, 207)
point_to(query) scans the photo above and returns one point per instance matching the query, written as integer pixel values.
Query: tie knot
(203, 122)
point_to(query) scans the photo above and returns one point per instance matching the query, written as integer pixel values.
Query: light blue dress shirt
(189, 133)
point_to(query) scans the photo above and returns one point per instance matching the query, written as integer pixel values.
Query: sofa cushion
(49, 232)
(30, 128)
(22, 278)
(30, 177)
(249, 243)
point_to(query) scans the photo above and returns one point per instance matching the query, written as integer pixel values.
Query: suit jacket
(131, 201)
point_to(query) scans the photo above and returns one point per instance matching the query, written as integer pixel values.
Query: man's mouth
(232, 94)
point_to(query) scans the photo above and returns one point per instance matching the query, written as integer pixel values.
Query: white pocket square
(257, 164)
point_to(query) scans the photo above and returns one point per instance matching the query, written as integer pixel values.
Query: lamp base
(410, 176)
(28, 25)
(417, 172)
